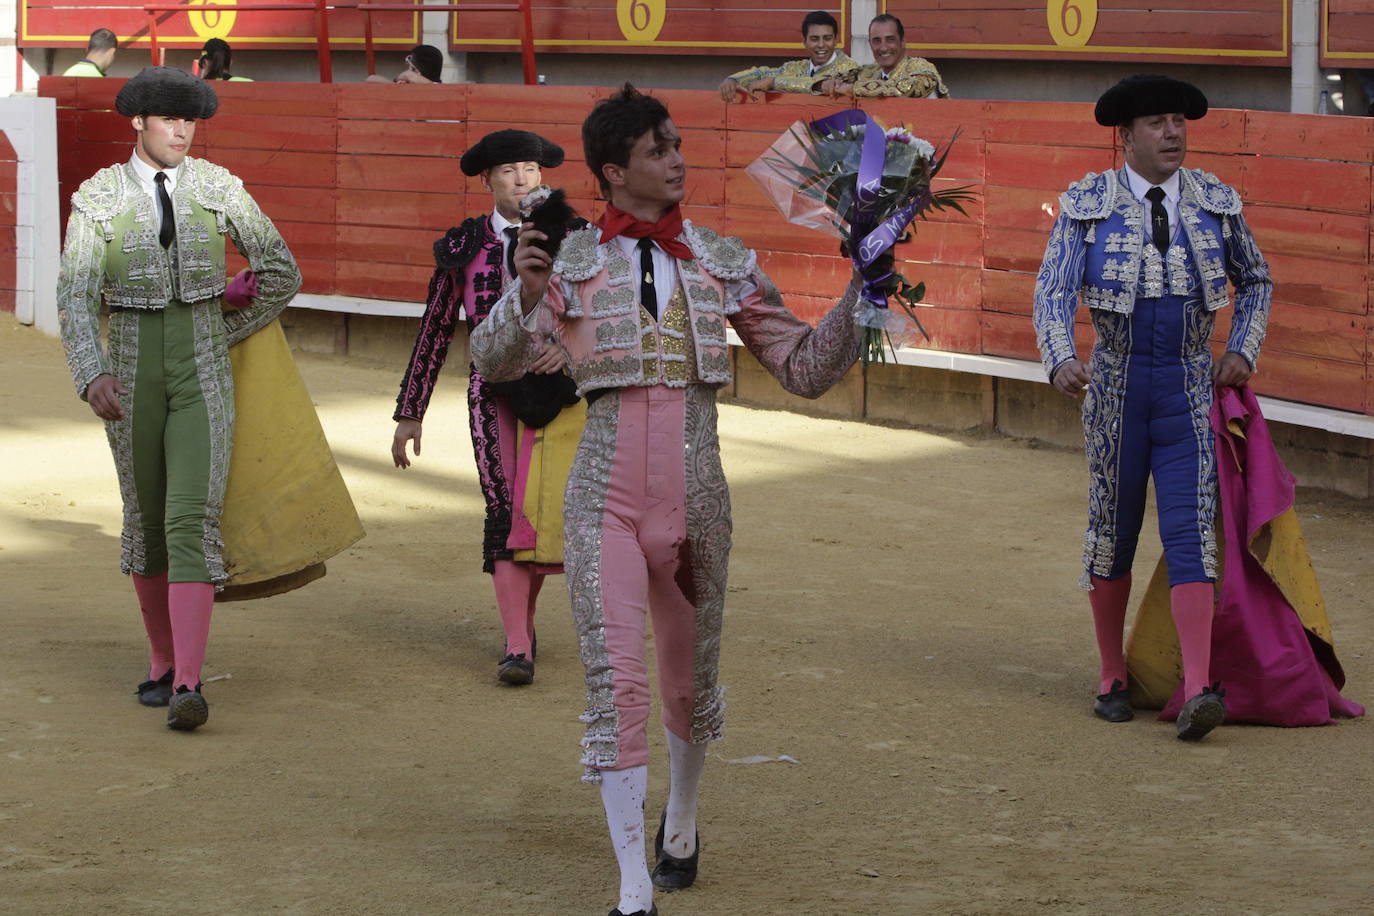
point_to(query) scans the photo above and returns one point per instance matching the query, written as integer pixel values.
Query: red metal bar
(152, 37)
(367, 41)
(322, 41)
(527, 43)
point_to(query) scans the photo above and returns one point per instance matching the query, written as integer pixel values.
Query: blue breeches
(1149, 417)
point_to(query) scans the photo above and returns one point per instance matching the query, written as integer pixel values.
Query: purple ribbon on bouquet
(867, 241)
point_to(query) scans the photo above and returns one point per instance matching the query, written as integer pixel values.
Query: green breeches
(172, 448)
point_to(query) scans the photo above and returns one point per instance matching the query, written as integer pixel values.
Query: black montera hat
(510, 146)
(169, 92)
(1146, 94)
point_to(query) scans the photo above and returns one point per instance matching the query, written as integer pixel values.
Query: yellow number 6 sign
(211, 23)
(641, 20)
(1071, 21)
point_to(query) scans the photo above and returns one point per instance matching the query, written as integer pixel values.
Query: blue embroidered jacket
(1100, 249)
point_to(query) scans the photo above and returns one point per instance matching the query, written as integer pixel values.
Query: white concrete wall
(30, 123)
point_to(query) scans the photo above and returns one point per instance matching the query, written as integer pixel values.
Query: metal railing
(520, 6)
(322, 8)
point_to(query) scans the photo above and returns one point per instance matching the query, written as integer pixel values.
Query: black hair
(615, 124)
(429, 60)
(888, 17)
(214, 60)
(819, 17)
(101, 40)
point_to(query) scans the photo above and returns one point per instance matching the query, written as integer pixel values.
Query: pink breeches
(643, 557)
(647, 535)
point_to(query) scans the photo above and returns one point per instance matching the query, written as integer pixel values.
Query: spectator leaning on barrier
(100, 53)
(821, 34)
(214, 62)
(424, 64)
(892, 73)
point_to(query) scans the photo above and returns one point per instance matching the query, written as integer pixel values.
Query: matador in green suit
(146, 240)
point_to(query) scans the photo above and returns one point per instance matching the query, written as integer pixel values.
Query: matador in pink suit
(472, 266)
(640, 303)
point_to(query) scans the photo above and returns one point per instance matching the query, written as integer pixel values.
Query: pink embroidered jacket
(592, 302)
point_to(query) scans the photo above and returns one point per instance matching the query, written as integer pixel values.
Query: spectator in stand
(100, 53)
(892, 73)
(214, 62)
(424, 64)
(820, 32)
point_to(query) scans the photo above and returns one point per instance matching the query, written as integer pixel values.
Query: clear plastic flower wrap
(847, 176)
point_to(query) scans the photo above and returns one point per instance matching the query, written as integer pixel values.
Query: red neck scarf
(616, 221)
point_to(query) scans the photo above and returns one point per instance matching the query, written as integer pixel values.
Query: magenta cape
(1271, 645)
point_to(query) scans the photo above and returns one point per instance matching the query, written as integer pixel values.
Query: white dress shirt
(665, 271)
(499, 225)
(1171, 191)
(829, 60)
(148, 182)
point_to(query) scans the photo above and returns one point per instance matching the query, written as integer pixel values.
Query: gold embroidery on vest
(669, 352)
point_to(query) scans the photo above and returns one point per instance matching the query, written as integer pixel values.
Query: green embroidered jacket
(112, 256)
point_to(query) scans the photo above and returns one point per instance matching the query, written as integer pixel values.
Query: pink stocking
(1192, 605)
(189, 604)
(1108, 599)
(514, 599)
(152, 601)
(536, 583)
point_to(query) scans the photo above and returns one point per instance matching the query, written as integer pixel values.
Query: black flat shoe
(671, 873)
(1202, 713)
(1115, 704)
(516, 670)
(187, 710)
(156, 693)
(653, 911)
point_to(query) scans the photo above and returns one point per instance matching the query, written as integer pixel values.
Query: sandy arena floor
(903, 623)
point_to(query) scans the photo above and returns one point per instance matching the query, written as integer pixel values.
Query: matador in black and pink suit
(471, 269)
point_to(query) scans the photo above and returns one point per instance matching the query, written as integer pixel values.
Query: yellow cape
(555, 446)
(286, 508)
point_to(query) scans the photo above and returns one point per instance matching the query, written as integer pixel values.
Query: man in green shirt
(100, 53)
(823, 60)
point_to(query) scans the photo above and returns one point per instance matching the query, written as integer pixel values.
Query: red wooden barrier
(9, 198)
(362, 178)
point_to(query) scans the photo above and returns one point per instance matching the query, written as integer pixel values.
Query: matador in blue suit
(1149, 249)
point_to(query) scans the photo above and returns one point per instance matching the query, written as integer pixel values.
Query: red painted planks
(404, 138)
(1307, 184)
(404, 209)
(375, 280)
(399, 173)
(1272, 133)
(250, 131)
(386, 102)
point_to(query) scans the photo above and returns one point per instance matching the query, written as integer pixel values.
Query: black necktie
(510, 232)
(1159, 218)
(648, 295)
(169, 226)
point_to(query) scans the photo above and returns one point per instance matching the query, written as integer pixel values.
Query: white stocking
(685, 763)
(622, 793)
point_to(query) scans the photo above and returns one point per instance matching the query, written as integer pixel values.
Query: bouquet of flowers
(847, 176)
